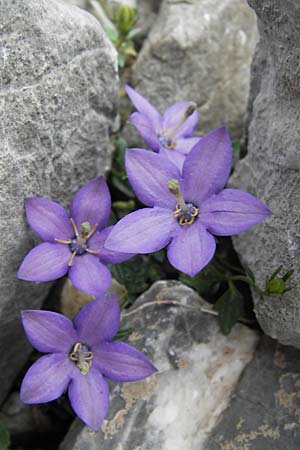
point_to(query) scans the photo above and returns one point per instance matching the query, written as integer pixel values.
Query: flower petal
(185, 145)
(145, 128)
(148, 174)
(174, 115)
(47, 219)
(48, 331)
(91, 203)
(45, 262)
(46, 379)
(89, 397)
(207, 166)
(96, 242)
(89, 275)
(231, 212)
(191, 249)
(189, 125)
(144, 106)
(174, 157)
(121, 362)
(143, 231)
(98, 320)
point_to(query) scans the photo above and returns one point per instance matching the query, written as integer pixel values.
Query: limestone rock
(271, 169)
(58, 97)
(200, 51)
(176, 408)
(264, 413)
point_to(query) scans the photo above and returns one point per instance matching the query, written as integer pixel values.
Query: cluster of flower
(182, 183)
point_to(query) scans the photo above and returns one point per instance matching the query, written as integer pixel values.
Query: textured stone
(264, 413)
(200, 51)
(176, 408)
(271, 169)
(58, 101)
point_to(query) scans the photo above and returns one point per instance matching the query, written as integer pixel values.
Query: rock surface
(198, 370)
(58, 97)
(264, 413)
(271, 170)
(200, 51)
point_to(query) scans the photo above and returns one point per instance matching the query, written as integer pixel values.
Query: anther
(71, 260)
(63, 241)
(74, 227)
(82, 357)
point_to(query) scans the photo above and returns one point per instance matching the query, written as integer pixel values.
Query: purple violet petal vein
(89, 397)
(146, 130)
(144, 231)
(144, 106)
(91, 203)
(148, 174)
(231, 212)
(49, 332)
(47, 379)
(45, 262)
(96, 242)
(47, 219)
(207, 167)
(99, 320)
(121, 362)
(191, 249)
(89, 275)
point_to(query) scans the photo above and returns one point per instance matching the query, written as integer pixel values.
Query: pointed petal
(45, 262)
(47, 219)
(48, 331)
(121, 362)
(89, 275)
(188, 127)
(96, 242)
(144, 106)
(207, 167)
(231, 212)
(191, 249)
(148, 174)
(145, 128)
(143, 231)
(185, 145)
(89, 397)
(98, 320)
(47, 379)
(174, 157)
(91, 203)
(174, 115)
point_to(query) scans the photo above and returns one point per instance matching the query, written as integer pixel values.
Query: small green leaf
(121, 334)
(4, 438)
(126, 17)
(112, 34)
(230, 307)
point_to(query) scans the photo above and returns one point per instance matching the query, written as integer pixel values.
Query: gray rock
(264, 413)
(199, 368)
(200, 51)
(271, 169)
(58, 97)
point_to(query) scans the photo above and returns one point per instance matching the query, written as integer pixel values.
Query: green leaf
(112, 34)
(4, 438)
(126, 18)
(121, 334)
(121, 60)
(230, 307)
(133, 33)
(276, 286)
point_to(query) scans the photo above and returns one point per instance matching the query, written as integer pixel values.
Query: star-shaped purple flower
(80, 357)
(185, 212)
(74, 244)
(169, 134)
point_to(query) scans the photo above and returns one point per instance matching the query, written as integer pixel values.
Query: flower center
(78, 243)
(166, 137)
(186, 213)
(82, 357)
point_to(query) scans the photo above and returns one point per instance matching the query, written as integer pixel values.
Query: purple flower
(80, 357)
(185, 212)
(72, 244)
(169, 134)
